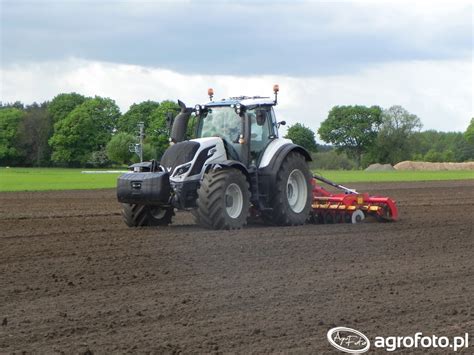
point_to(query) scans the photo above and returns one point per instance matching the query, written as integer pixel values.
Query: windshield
(220, 121)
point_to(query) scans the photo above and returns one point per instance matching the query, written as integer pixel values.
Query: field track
(74, 278)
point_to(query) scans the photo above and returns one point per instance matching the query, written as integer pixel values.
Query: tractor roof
(243, 100)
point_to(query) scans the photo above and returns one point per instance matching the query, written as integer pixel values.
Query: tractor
(236, 166)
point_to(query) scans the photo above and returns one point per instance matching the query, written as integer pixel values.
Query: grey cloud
(292, 38)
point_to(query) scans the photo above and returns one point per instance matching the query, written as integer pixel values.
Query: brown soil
(74, 279)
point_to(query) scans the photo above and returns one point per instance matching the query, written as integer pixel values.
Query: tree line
(73, 130)
(360, 135)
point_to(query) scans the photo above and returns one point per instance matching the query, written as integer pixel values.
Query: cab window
(261, 132)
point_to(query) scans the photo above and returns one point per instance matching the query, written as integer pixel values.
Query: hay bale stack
(423, 165)
(379, 167)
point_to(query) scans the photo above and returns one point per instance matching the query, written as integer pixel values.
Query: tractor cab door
(262, 132)
(224, 122)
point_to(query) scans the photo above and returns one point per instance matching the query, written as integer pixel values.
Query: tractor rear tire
(291, 203)
(143, 215)
(223, 200)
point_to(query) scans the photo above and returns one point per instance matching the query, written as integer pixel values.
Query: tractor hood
(187, 158)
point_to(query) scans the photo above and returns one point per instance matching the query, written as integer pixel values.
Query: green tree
(463, 150)
(395, 137)
(87, 129)
(149, 153)
(34, 130)
(117, 148)
(441, 142)
(9, 122)
(63, 104)
(303, 136)
(141, 112)
(469, 134)
(17, 104)
(433, 156)
(99, 159)
(158, 131)
(448, 155)
(352, 129)
(331, 160)
(192, 125)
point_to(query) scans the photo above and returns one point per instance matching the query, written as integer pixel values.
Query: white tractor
(236, 166)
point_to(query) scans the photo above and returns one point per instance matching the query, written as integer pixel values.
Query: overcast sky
(418, 54)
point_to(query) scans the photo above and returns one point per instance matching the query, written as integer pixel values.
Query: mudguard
(230, 164)
(280, 155)
(267, 175)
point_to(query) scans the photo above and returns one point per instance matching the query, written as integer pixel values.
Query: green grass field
(345, 176)
(40, 179)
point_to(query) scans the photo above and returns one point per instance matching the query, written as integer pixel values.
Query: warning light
(276, 88)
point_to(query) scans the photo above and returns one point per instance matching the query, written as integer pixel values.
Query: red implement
(349, 206)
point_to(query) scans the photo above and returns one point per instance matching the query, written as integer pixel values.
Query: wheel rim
(234, 200)
(157, 212)
(296, 191)
(357, 216)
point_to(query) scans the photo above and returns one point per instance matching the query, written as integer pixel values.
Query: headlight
(183, 169)
(197, 108)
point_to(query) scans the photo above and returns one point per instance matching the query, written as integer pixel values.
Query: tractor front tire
(223, 200)
(143, 215)
(293, 194)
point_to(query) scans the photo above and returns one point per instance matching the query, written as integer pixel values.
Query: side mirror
(281, 123)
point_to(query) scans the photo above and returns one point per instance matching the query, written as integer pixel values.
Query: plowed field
(75, 279)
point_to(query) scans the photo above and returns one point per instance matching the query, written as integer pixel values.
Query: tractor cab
(245, 124)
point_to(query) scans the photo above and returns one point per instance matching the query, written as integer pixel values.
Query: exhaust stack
(180, 123)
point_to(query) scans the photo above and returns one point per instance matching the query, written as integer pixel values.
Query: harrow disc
(347, 217)
(328, 218)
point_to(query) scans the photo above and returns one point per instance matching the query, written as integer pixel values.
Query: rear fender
(277, 147)
(274, 165)
(267, 175)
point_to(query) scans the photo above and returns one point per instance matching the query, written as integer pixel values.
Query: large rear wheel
(223, 200)
(143, 215)
(292, 199)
